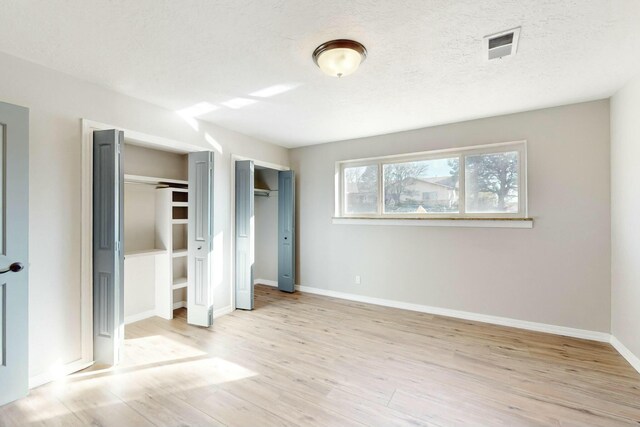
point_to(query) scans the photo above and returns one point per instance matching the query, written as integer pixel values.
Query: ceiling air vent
(499, 45)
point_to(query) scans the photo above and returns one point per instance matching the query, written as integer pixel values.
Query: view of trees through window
(432, 186)
(361, 189)
(422, 186)
(491, 182)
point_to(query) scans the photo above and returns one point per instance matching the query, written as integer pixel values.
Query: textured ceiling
(424, 66)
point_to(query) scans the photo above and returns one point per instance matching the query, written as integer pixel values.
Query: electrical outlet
(357, 280)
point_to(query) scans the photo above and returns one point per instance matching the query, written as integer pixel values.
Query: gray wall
(266, 220)
(556, 273)
(625, 223)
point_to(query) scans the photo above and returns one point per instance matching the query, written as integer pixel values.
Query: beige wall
(57, 102)
(625, 223)
(150, 162)
(556, 273)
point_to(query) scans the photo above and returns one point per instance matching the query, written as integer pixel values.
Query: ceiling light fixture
(339, 58)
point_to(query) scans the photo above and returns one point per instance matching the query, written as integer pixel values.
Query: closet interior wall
(266, 225)
(151, 233)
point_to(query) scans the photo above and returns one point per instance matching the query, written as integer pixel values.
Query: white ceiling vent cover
(500, 45)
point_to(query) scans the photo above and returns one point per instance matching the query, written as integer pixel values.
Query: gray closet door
(286, 231)
(244, 235)
(108, 256)
(200, 243)
(14, 252)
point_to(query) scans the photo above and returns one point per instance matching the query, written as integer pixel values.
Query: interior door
(14, 240)
(108, 254)
(244, 234)
(286, 231)
(200, 243)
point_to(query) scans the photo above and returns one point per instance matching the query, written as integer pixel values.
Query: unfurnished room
(319, 213)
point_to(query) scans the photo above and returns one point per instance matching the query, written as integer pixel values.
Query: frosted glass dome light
(339, 58)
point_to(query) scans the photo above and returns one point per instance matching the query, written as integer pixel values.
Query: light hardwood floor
(305, 360)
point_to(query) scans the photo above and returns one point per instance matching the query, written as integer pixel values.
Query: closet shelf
(180, 204)
(180, 221)
(179, 283)
(145, 252)
(179, 253)
(152, 180)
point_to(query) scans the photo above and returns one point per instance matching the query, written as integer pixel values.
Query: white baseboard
(222, 311)
(216, 313)
(59, 372)
(626, 353)
(266, 282)
(139, 316)
(485, 318)
(179, 304)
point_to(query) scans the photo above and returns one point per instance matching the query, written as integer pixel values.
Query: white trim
(69, 368)
(432, 222)
(179, 304)
(222, 311)
(266, 282)
(477, 317)
(633, 360)
(86, 273)
(256, 162)
(140, 316)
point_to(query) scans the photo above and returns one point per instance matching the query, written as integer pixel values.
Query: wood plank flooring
(306, 360)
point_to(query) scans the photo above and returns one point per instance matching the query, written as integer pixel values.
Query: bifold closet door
(286, 231)
(244, 235)
(200, 241)
(108, 255)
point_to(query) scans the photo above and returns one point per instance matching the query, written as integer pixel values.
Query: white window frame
(518, 146)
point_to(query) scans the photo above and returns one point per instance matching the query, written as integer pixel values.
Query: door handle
(14, 268)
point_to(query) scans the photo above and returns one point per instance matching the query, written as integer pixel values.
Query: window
(422, 186)
(491, 182)
(474, 182)
(361, 189)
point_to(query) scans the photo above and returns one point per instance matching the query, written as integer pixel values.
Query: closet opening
(147, 235)
(156, 212)
(264, 229)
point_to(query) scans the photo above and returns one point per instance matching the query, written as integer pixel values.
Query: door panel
(14, 239)
(200, 244)
(286, 231)
(108, 255)
(244, 234)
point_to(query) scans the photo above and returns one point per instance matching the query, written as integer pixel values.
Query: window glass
(491, 183)
(361, 189)
(425, 186)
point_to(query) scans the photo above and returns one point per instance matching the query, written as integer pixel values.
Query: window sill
(438, 222)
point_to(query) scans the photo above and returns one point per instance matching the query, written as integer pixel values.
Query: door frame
(86, 252)
(232, 219)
